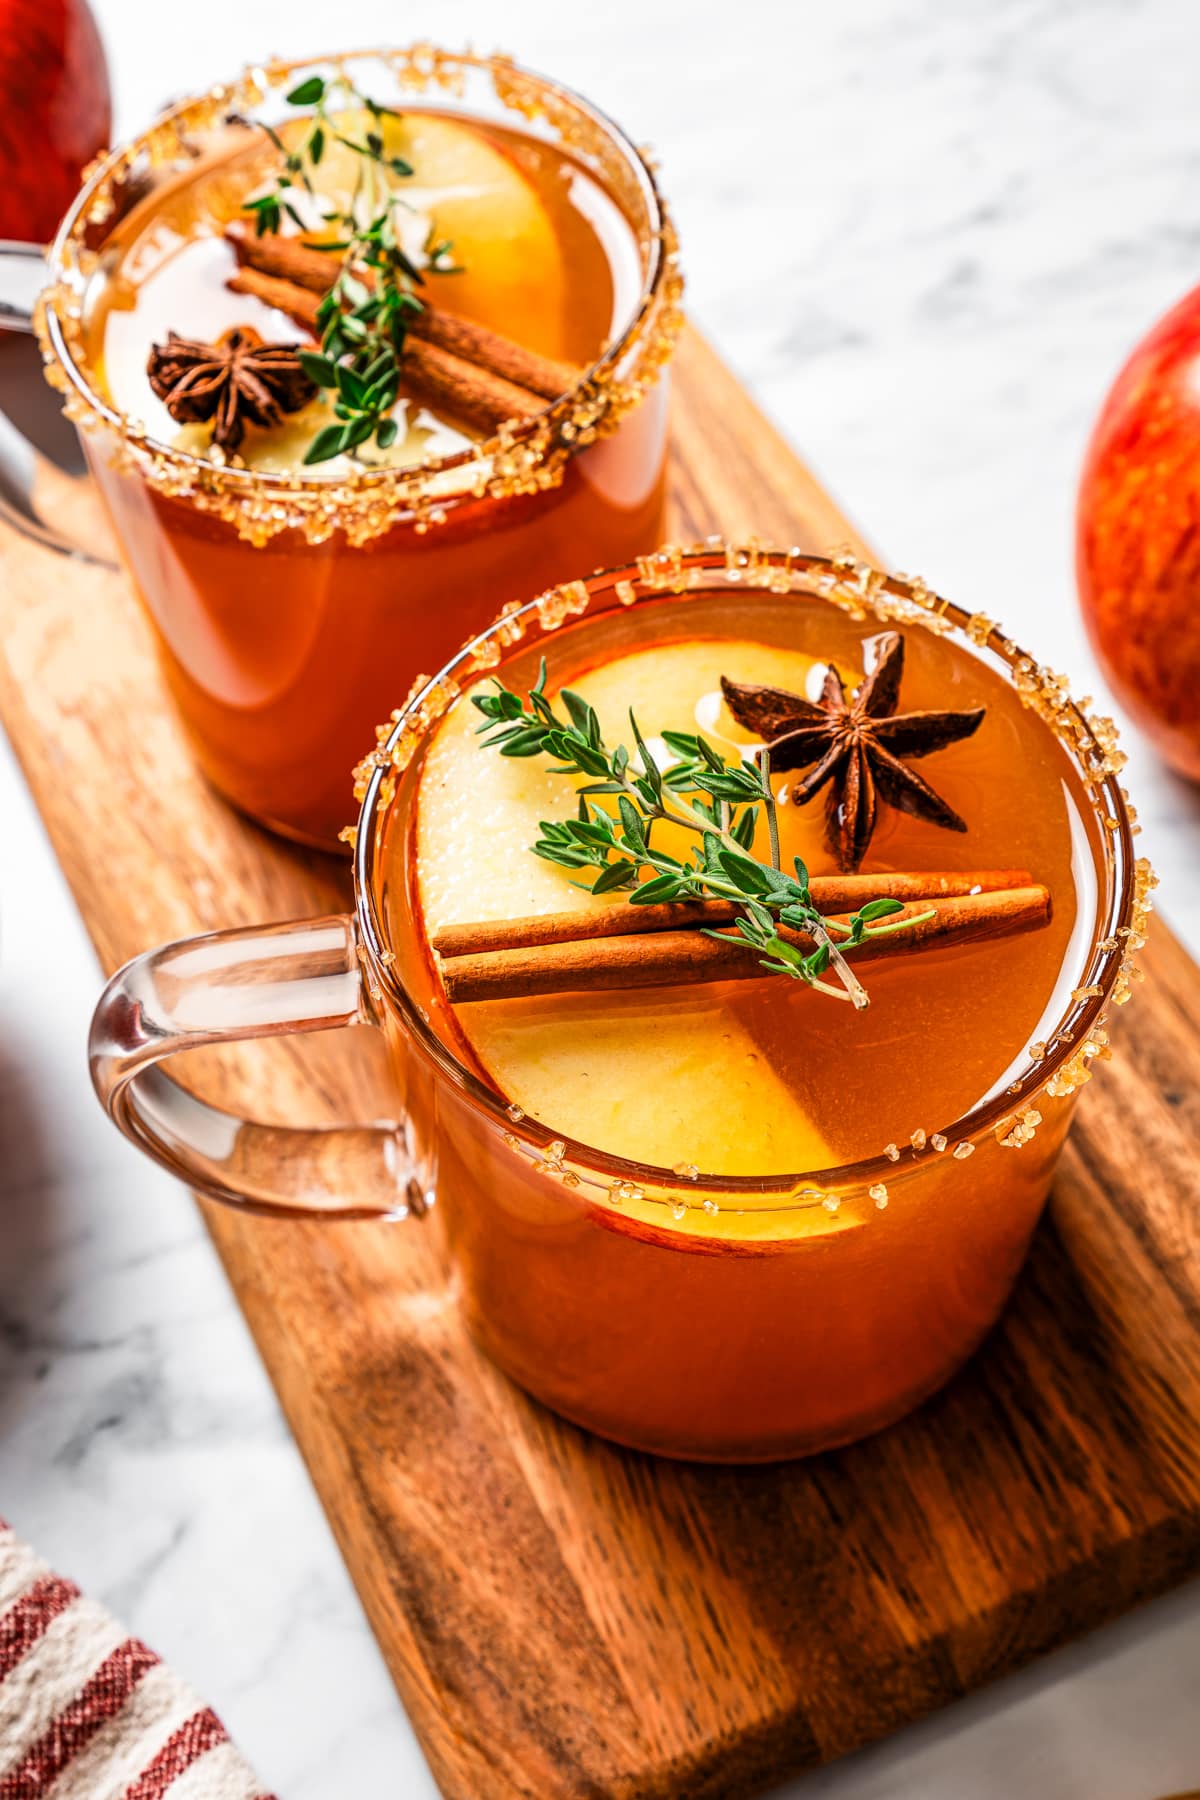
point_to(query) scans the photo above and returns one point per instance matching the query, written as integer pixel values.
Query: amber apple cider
(717, 1121)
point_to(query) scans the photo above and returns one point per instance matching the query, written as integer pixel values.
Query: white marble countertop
(926, 236)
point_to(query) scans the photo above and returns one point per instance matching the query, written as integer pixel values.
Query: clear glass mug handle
(266, 981)
(22, 278)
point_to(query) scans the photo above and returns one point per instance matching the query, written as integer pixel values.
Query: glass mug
(288, 611)
(603, 1286)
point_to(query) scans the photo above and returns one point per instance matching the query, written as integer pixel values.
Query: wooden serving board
(562, 1617)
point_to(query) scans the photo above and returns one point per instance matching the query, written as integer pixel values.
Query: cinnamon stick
(285, 296)
(467, 392)
(473, 395)
(542, 375)
(682, 958)
(290, 260)
(831, 894)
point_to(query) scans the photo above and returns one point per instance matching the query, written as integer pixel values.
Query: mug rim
(753, 567)
(543, 436)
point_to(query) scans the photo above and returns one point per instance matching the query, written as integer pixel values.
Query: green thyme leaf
(879, 909)
(616, 875)
(318, 368)
(326, 444)
(308, 93)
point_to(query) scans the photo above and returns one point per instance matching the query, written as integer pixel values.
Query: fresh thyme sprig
(718, 801)
(363, 325)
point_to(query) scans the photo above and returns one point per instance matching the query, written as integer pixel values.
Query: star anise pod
(238, 378)
(856, 745)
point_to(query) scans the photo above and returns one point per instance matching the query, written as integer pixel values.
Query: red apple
(1138, 538)
(55, 111)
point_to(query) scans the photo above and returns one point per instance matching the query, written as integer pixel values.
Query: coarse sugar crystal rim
(522, 458)
(1054, 1069)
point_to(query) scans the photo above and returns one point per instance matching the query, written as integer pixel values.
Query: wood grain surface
(568, 1619)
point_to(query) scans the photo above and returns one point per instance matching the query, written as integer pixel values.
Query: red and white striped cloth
(88, 1713)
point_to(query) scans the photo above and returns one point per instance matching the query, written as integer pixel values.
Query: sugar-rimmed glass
(289, 610)
(602, 1284)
